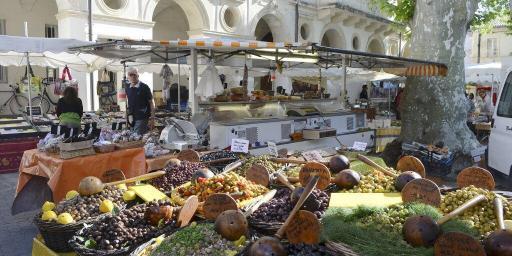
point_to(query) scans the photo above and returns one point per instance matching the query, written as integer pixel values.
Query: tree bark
(435, 108)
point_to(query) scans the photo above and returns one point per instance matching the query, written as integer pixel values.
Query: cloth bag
(61, 83)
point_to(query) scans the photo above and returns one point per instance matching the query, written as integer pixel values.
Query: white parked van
(500, 141)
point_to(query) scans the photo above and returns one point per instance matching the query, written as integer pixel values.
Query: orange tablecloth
(65, 175)
(158, 163)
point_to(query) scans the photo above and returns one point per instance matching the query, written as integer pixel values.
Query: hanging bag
(61, 83)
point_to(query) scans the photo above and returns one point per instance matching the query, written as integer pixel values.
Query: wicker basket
(56, 236)
(76, 242)
(130, 144)
(76, 145)
(104, 148)
(337, 248)
(76, 153)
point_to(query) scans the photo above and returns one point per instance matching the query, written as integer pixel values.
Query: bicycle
(16, 102)
(43, 99)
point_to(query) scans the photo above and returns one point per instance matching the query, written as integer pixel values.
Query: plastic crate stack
(435, 163)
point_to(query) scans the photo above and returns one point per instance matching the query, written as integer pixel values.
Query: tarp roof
(48, 52)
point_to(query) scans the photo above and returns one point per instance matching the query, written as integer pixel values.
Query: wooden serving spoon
(499, 242)
(272, 245)
(91, 185)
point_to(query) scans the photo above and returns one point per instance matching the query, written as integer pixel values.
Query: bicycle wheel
(18, 104)
(42, 102)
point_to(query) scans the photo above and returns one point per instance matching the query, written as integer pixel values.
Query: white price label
(359, 146)
(312, 156)
(477, 159)
(272, 148)
(239, 145)
(478, 151)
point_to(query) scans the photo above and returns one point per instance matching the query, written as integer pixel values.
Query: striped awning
(426, 70)
(222, 44)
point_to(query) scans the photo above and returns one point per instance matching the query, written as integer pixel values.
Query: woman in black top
(70, 109)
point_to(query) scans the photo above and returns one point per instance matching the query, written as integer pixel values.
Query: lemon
(106, 206)
(122, 186)
(129, 195)
(65, 218)
(71, 194)
(48, 206)
(49, 215)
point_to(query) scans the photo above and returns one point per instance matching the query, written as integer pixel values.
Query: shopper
(471, 112)
(485, 104)
(140, 103)
(364, 93)
(70, 109)
(398, 98)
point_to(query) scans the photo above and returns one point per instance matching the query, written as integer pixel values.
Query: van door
(500, 141)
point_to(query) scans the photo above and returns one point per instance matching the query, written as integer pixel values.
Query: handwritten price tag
(359, 146)
(312, 156)
(272, 148)
(240, 145)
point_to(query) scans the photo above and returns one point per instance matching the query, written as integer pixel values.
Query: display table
(158, 163)
(65, 175)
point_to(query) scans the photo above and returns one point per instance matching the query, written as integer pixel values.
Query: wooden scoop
(296, 192)
(92, 185)
(375, 165)
(272, 245)
(499, 242)
(423, 230)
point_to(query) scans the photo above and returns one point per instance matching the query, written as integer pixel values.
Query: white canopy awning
(487, 73)
(48, 52)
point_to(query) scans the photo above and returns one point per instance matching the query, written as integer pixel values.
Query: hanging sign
(240, 145)
(272, 149)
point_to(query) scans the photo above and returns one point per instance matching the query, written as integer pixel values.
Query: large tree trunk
(435, 108)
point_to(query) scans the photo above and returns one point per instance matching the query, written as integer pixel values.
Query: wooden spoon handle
(281, 178)
(232, 166)
(475, 200)
(498, 210)
(375, 165)
(221, 160)
(146, 176)
(307, 191)
(288, 161)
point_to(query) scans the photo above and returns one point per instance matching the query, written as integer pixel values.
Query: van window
(505, 104)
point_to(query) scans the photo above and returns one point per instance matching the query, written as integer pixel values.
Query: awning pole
(193, 82)
(179, 85)
(29, 78)
(344, 93)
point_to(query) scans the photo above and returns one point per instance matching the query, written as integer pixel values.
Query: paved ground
(16, 232)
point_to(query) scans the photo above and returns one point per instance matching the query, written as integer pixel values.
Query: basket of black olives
(123, 233)
(272, 214)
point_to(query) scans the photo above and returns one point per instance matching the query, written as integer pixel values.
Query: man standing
(140, 103)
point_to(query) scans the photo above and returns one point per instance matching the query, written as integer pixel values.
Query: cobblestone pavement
(16, 232)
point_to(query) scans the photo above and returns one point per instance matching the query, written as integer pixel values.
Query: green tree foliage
(488, 11)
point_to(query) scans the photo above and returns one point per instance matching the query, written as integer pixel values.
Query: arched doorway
(265, 28)
(333, 38)
(171, 23)
(375, 46)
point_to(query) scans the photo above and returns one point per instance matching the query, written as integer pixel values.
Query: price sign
(423, 191)
(218, 203)
(316, 169)
(303, 228)
(187, 211)
(240, 145)
(312, 156)
(272, 149)
(457, 244)
(359, 146)
(479, 177)
(258, 174)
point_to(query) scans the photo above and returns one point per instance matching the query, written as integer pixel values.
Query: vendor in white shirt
(485, 104)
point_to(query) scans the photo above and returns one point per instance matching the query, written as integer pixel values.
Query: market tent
(353, 74)
(48, 52)
(484, 73)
